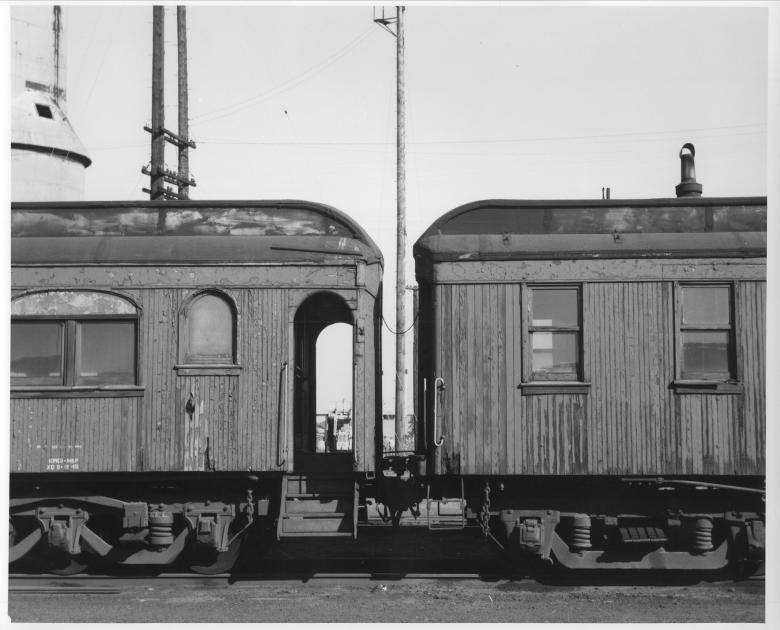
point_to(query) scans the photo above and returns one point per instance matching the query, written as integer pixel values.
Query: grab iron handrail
(281, 438)
(437, 387)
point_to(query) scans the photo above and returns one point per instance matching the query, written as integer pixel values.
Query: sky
(516, 101)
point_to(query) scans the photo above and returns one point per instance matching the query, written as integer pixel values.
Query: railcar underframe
(201, 520)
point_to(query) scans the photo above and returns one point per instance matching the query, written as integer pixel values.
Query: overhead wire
(229, 110)
(86, 49)
(100, 67)
(395, 332)
(329, 143)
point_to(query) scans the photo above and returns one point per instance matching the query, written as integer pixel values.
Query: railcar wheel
(63, 564)
(213, 562)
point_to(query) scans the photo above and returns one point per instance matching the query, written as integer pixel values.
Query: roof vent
(688, 187)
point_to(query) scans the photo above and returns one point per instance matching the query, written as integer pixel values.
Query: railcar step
(324, 506)
(317, 485)
(318, 505)
(320, 496)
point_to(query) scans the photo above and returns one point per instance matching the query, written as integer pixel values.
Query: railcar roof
(183, 232)
(517, 229)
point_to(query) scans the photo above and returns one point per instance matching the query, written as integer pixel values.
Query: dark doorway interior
(313, 316)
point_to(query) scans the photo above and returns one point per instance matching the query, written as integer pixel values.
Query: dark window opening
(73, 338)
(106, 353)
(37, 353)
(44, 111)
(71, 352)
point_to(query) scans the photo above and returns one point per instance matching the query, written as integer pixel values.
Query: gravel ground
(376, 600)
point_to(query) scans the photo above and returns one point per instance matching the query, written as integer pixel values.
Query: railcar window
(706, 332)
(36, 353)
(555, 332)
(73, 338)
(106, 353)
(209, 331)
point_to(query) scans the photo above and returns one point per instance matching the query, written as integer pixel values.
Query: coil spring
(580, 534)
(160, 529)
(702, 534)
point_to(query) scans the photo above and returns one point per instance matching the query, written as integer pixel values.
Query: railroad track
(102, 583)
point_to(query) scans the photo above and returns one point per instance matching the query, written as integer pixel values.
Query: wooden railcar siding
(77, 434)
(751, 343)
(630, 421)
(235, 425)
(365, 384)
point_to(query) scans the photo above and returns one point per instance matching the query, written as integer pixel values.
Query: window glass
(71, 338)
(36, 353)
(107, 353)
(71, 303)
(705, 353)
(555, 353)
(706, 306)
(554, 307)
(210, 330)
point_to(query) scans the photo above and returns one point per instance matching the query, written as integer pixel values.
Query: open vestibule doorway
(324, 385)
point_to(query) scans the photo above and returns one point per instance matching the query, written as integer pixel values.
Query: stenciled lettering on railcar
(63, 463)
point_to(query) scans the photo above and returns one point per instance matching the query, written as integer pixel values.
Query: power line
(476, 141)
(399, 332)
(229, 110)
(380, 144)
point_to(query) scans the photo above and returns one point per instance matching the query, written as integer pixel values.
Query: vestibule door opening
(324, 385)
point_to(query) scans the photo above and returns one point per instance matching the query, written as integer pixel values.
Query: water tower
(47, 158)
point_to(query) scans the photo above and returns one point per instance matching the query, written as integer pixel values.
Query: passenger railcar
(595, 373)
(590, 382)
(163, 375)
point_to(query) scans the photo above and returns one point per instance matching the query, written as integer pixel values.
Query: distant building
(388, 433)
(47, 158)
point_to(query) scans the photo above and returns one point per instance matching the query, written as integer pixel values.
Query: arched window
(72, 339)
(208, 331)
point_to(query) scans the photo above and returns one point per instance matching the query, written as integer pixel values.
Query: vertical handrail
(437, 387)
(281, 438)
(425, 414)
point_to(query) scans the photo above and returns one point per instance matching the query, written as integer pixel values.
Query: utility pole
(156, 171)
(400, 258)
(184, 158)
(158, 104)
(58, 90)
(419, 431)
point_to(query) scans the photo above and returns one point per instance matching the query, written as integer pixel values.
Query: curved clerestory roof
(501, 229)
(182, 232)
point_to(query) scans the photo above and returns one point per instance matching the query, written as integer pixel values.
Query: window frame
(703, 382)
(70, 356)
(204, 365)
(538, 382)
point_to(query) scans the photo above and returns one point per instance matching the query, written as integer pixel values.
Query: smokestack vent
(688, 187)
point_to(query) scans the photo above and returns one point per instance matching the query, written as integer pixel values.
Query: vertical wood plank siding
(235, 423)
(73, 435)
(630, 422)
